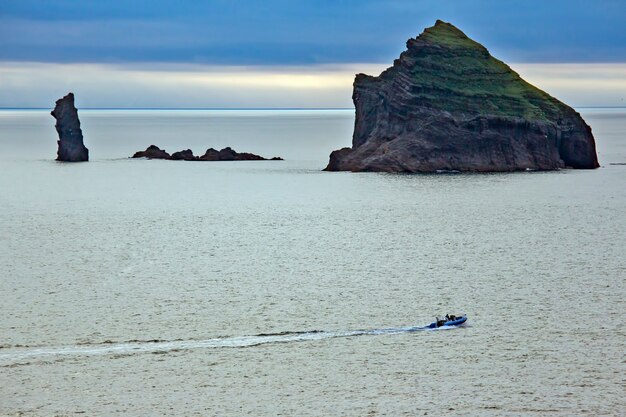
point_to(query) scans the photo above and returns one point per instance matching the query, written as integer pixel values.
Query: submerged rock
(447, 104)
(71, 147)
(226, 154)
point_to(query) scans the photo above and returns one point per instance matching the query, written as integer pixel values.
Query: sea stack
(447, 105)
(71, 147)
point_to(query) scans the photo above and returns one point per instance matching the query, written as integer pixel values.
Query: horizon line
(185, 108)
(242, 108)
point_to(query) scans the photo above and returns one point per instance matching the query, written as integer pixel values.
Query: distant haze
(157, 86)
(280, 53)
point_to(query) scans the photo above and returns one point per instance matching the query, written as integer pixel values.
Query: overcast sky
(226, 53)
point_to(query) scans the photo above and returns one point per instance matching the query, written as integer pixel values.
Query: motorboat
(448, 321)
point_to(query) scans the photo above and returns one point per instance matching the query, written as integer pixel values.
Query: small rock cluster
(226, 154)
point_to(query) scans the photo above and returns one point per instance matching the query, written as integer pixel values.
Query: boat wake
(13, 356)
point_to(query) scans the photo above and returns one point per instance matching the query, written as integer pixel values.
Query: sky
(280, 53)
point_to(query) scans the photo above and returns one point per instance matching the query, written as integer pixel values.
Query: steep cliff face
(71, 147)
(447, 104)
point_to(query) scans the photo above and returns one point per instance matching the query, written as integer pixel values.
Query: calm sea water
(141, 287)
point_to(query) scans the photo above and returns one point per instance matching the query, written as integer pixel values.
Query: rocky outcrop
(71, 147)
(226, 154)
(211, 155)
(152, 152)
(447, 105)
(186, 155)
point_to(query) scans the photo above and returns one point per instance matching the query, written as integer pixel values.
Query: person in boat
(438, 322)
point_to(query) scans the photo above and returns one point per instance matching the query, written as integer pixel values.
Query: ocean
(149, 287)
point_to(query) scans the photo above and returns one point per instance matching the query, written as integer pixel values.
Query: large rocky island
(447, 105)
(71, 147)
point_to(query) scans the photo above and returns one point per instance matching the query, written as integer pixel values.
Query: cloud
(282, 32)
(209, 86)
(176, 85)
(582, 85)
